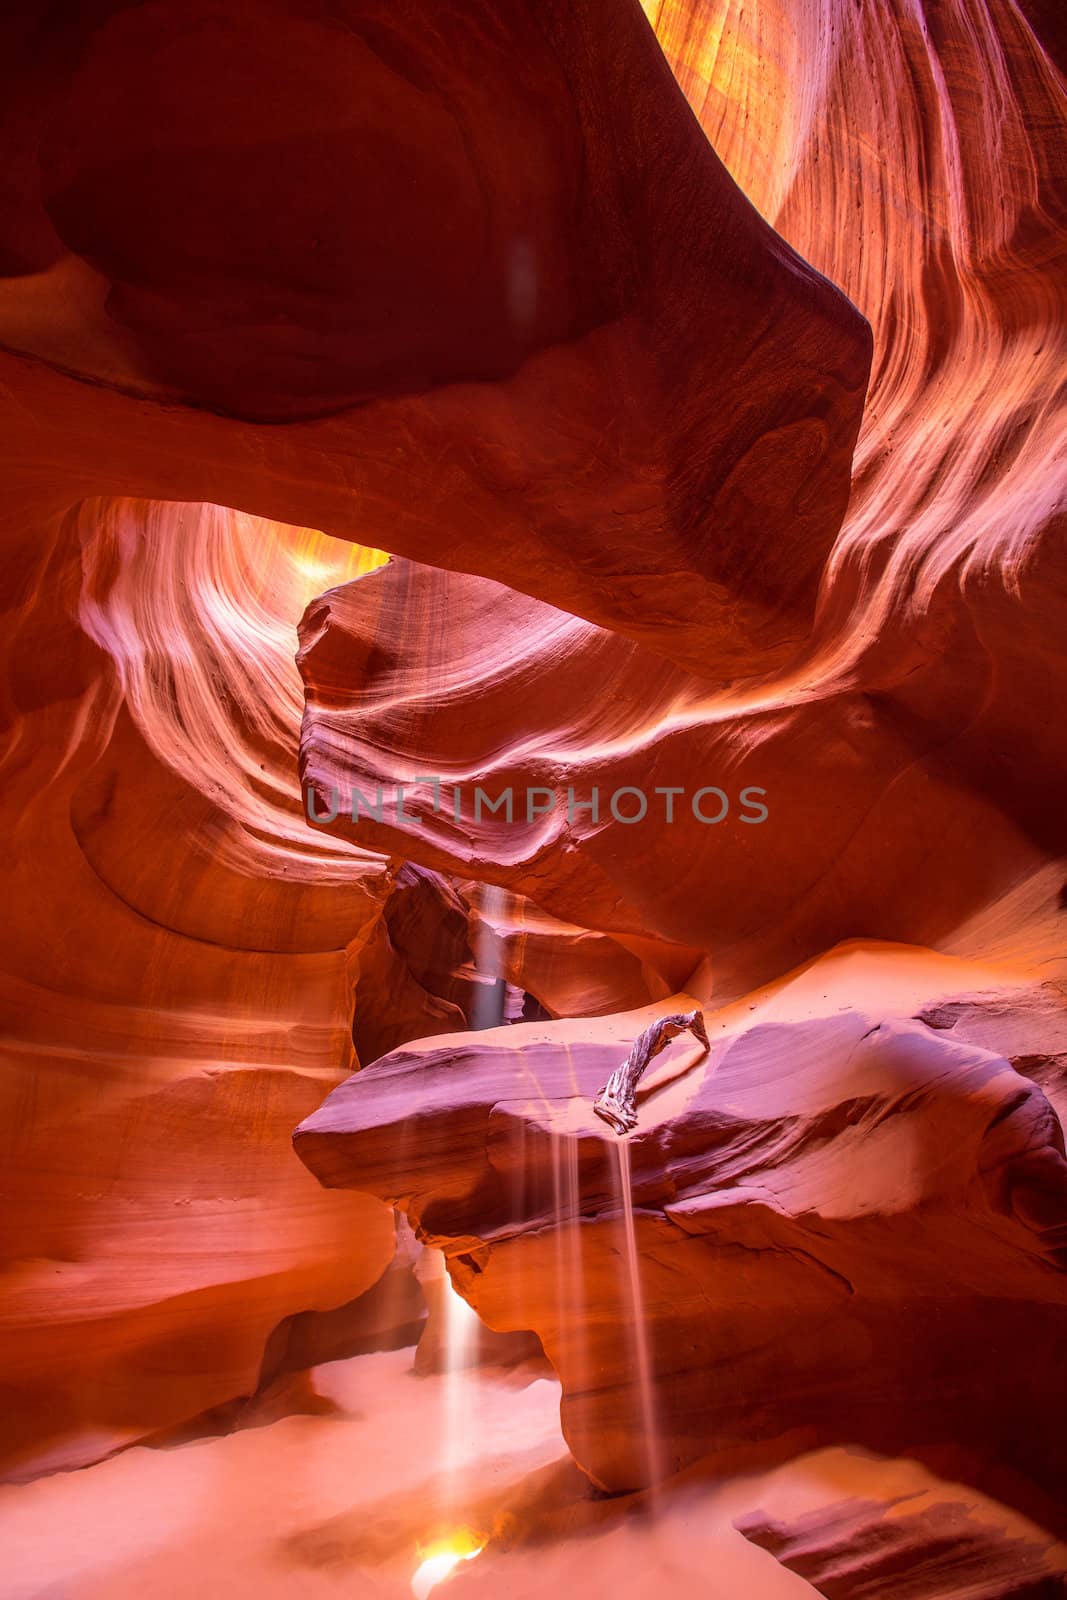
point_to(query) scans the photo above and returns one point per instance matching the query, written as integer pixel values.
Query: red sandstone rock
(177, 988)
(570, 971)
(581, 366)
(568, 708)
(845, 1227)
(582, 338)
(906, 1552)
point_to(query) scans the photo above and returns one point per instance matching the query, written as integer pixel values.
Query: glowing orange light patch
(440, 1559)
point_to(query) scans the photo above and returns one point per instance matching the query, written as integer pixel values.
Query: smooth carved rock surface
(902, 1551)
(849, 1522)
(516, 695)
(847, 1228)
(570, 970)
(570, 388)
(587, 367)
(177, 984)
(600, 375)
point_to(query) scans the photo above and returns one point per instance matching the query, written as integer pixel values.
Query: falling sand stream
(637, 1322)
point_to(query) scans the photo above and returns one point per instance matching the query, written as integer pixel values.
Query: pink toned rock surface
(909, 1552)
(177, 990)
(845, 1225)
(700, 371)
(784, 854)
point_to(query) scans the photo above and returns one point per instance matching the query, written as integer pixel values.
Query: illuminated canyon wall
(701, 376)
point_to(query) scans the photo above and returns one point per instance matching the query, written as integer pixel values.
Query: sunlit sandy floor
(350, 1498)
(349, 1502)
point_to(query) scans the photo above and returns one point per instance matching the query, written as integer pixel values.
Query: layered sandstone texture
(699, 370)
(838, 1222)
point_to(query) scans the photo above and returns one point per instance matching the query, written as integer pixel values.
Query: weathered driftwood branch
(616, 1100)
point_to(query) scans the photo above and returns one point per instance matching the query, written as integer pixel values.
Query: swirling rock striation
(569, 719)
(604, 379)
(587, 367)
(846, 1228)
(177, 982)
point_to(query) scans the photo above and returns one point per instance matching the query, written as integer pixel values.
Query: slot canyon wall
(543, 398)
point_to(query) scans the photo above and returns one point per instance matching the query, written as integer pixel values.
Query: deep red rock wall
(475, 286)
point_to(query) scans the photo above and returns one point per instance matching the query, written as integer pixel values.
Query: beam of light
(461, 1327)
(490, 994)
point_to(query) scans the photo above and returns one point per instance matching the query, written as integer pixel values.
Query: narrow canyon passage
(533, 1048)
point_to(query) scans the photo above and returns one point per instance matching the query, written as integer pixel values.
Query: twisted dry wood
(615, 1102)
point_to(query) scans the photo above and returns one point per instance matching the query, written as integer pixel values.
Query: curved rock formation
(589, 343)
(469, 283)
(177, 982)
(912, 1549)
(917, 158)
(784, 854)
(569, 971)
(826, 1210)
